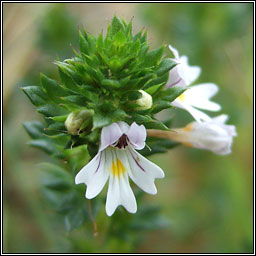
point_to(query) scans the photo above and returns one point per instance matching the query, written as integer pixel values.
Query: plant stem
(92, 219)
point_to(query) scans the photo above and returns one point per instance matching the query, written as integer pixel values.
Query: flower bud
(145, 102)
(215, 135)
(75, 120)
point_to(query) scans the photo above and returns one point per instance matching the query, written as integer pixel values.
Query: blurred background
(207, 199)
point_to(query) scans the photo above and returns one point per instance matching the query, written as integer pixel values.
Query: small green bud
(145, 102)
(75, 120)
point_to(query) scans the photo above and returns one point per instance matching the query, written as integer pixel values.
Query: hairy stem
(92, 219)
(161, 134)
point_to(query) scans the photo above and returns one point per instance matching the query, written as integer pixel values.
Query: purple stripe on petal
(173, 84)
(134, 158)
(99, 163)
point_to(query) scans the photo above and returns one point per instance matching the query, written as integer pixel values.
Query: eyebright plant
(103, 109)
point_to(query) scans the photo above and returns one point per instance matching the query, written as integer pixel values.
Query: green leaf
(100, 120)
(46, 145)
(69, 70)
(99, 43)
(133, 95)
(53, 89)
(50, 110)
(116, 25)
(68, 81)
(118, 115)
(92, 43)
(54, 177)
(165, 66)
(125, 81)
(149, 218)
(91, 96)
(160, 105)
(36, 95)
(159, 81)
(170, 94)
(143, 51)
(35, 129)
(77, 99)
(75, 219)
(158, 145)
(59, 118)
(84, 46)
(57, 127)
(135, 48)
(77, 157)
(153, 57)
(155, 88)
(120, 38)
(111, 84)
(148, 122)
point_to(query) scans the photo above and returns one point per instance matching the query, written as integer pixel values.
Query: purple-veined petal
(137, 135)
(109, 135)
(175, 79)
(142, 171)
(94, 175)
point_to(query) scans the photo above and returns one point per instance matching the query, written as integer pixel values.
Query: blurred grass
(207, 198)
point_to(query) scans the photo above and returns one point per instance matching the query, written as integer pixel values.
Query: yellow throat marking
(182, 97)
(117, 168)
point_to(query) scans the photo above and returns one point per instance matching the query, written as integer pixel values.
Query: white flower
(117, 160)
(214, 135)
(197, 96)
(182, 74)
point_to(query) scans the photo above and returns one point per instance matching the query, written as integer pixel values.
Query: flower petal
(199, 95)
(221, 119)
(109, 135)
(175, 52)
(137, 135)
(119, 190)
(174, 78)
(142, 172)
(94, 175)
(212, 136)
(183, 74)
(189, 73)
(123, 126)
(197, 114)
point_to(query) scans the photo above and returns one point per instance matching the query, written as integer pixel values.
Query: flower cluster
(107, 101)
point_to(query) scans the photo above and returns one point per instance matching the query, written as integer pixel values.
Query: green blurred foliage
(205, 200)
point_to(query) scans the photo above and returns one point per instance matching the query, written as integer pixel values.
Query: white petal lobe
(94, 175)
(119, 190)
(143, 172)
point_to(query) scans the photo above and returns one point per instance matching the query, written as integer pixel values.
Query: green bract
(104, 78)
